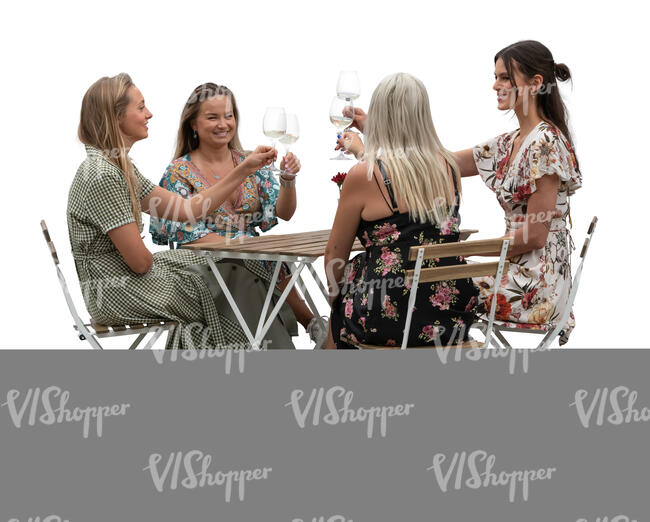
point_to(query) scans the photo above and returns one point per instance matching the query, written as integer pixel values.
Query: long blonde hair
(185, 141)
(399, 131)
(102, 106)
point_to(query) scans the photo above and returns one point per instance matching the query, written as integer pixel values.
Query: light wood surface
(463, 248)
(310, 244)
(446, 273)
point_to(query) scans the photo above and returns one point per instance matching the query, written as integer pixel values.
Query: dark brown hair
(186, 142)
(530, 57)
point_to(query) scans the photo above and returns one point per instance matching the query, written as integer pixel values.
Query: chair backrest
(481, 247)
(484, 247)
(82, 331)
(590, 231)
(48, 240)
(559, 326)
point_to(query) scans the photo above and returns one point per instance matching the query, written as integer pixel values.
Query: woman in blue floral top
(208, 147)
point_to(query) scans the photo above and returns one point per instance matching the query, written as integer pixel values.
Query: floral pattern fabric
(535, 289)
(254, 207)
(373, 303)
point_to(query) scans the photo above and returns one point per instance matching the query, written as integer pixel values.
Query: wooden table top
(308, 244)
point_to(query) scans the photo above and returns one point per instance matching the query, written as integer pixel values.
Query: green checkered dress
(173, 289)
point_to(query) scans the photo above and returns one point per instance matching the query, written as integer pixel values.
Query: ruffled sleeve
(162, 230)
(268, 189)
(490, 158)
(550, 154)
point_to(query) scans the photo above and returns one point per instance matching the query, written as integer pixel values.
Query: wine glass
(291, 134)
(348, 85)
(339, 120)
(274, 126)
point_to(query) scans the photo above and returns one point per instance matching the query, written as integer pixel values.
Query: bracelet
(287, 182)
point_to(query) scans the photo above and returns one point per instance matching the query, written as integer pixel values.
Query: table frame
(296, 262)
(296, 266)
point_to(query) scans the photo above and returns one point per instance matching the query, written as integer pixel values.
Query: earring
(196, 136)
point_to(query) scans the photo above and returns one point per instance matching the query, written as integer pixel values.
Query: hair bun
(562, 72)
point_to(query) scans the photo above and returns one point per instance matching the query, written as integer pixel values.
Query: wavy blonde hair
(399, 131)
(102, 106)
(185, 141)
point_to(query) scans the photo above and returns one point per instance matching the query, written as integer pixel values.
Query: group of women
(405, 191)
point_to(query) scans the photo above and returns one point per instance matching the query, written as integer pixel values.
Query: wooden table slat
(309, 244)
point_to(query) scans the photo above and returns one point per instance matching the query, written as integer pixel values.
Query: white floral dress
(535, 289)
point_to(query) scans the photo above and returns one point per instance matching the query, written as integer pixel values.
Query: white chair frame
(92, 331)
(556, 330)
(454, 272)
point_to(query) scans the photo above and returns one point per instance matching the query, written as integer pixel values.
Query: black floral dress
(372, 305)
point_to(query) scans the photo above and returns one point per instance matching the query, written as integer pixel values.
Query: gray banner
(422, 435)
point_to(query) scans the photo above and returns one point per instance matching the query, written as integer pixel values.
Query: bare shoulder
(358, 176)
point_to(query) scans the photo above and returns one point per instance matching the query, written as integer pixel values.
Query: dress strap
(389, 187)
(453, 177)
(381, 191)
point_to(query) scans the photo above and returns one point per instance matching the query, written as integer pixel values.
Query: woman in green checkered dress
(122, 282)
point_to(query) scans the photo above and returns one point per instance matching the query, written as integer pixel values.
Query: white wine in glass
(339, 119)
(274, 126)
(347, 86)
(291, 134)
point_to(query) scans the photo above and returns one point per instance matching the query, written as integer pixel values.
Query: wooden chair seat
(102, 330)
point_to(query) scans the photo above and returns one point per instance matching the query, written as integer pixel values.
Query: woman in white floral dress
(533, 171)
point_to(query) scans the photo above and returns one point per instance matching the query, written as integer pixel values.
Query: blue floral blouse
(255, 205)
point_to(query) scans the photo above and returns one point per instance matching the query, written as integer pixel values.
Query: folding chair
(92, 331)
(549, 331)
(445, 273)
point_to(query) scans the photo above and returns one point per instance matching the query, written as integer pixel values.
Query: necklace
(232, 198)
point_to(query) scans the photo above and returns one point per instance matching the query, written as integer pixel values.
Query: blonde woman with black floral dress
(123, 282)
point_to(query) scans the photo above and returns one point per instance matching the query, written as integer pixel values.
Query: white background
(290, 54)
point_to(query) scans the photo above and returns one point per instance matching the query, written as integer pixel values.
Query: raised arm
(164, 204)
(465, 161)
(285, 206)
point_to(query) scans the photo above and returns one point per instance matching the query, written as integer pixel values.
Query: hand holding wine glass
(351, 143)
(263, 155)
(339, 119)
(358, 118)
(274, 126)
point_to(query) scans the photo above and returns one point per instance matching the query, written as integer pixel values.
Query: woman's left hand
(291, 164)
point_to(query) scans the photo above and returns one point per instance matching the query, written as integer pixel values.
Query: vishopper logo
(470, 463)
(180, 211)
(479, 354)
(333, 518)
(594, 409)
(232, 351)
(180, 472)
(42, 400)
(95, 287)
(616, 518)
(48, 518)
(342, 413)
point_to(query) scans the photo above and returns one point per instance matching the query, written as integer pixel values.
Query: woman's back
(374, 297)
